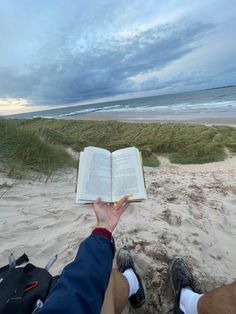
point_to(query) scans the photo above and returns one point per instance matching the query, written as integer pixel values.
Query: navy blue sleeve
(82, 285)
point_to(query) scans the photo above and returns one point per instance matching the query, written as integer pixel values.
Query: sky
(56, 53)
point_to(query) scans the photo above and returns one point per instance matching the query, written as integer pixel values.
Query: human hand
(108, 214)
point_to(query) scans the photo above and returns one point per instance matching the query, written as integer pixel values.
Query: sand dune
(190, 212)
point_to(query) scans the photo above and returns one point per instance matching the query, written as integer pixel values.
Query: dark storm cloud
(65, 70)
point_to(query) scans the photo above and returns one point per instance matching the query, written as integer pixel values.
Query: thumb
(98, 200)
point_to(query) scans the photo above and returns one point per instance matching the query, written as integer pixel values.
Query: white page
(127, 174)
(94, 175)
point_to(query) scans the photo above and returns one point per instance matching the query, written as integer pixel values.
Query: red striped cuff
(103, 232)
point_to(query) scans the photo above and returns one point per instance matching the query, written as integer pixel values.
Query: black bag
(22, 287)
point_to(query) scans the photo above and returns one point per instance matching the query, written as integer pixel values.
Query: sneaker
(181, 277)
(124, 260)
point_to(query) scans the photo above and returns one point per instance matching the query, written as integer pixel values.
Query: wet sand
(138, 118)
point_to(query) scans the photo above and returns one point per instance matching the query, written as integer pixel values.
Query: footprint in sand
(171, 218)
(218, 207)
(153, 187)
(233, 201)
(196, 197)
(172, 198)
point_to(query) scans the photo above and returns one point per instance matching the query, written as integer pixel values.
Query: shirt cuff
(103, 232)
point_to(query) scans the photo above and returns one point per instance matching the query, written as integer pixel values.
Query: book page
(127, 174)
(94, 175)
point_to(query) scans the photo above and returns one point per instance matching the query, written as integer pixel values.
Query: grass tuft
(199, 153)
(183, 143)
(22, 149)
(151, 161)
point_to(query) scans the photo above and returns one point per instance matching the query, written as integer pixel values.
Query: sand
(190, 213)
(143, 117)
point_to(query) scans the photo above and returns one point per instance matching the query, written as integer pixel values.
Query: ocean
(219, 103)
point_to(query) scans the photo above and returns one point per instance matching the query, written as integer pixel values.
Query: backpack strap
(22, 259)
(13, 288)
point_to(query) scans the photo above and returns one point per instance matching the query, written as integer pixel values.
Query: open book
(110, 175)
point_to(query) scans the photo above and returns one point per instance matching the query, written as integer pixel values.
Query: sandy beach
(141, 118)
(190, 212)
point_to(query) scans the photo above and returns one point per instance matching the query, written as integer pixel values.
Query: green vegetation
(22, 149)
(183, 143)
(38, 144)
(227, 137)
(151, 161)
(201, 153)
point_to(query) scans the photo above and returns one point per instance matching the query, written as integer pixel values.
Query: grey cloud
(193, 80)
(63, 73)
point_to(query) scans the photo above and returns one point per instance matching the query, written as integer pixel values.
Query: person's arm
(82, 285)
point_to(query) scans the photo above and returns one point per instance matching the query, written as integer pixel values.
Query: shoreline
(138, 119)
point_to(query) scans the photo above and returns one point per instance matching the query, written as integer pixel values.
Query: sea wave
(177, 107)
(87, 110)
(186, 107)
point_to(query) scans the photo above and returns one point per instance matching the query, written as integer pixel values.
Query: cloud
(69, 68)
(58, 52)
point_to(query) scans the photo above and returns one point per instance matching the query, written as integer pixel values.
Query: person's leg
(125, 284)
(183, 284)
(187, 299)
(117, 294)
(125, 264)
(219, 301)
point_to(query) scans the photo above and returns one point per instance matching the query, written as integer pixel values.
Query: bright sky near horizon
(60, 52)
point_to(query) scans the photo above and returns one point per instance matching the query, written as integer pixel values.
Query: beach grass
(182, 143)
(151, 161)
(22, 149)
